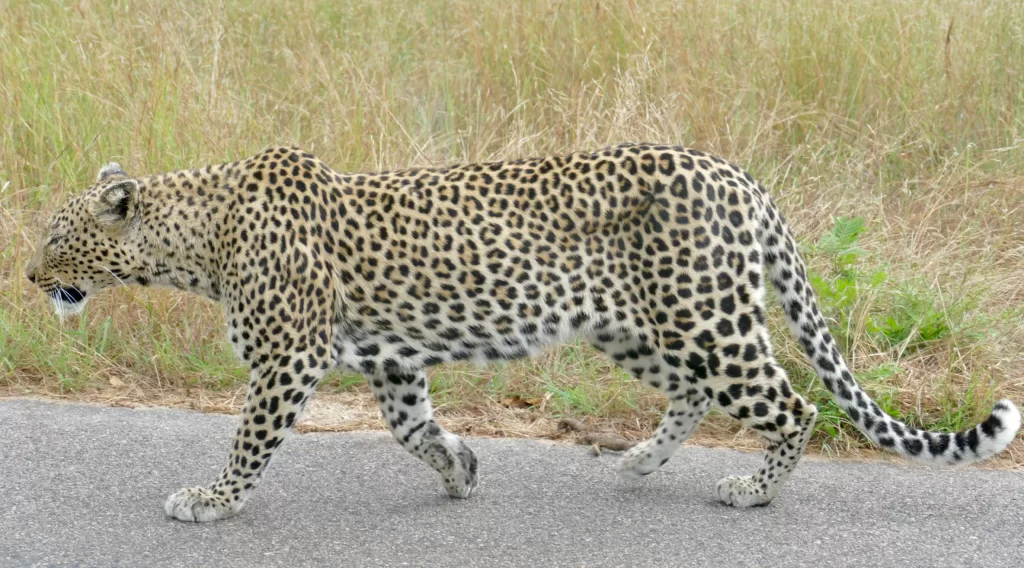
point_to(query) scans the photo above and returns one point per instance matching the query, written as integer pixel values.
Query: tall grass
(908, 114)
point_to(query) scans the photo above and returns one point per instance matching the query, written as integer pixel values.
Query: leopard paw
(461, 479)
(741, 491)
(200, 505)
(640, 460)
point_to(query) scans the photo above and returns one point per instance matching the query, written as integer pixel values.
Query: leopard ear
(110, 170)
(114, 203)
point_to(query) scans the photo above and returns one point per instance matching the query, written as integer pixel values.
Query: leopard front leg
(278, 392)
(405, 402)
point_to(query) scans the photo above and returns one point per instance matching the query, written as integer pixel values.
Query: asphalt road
(85, 486)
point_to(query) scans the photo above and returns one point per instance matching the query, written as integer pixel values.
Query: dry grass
(909, 114)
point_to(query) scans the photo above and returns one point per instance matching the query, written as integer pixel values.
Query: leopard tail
(788, 275)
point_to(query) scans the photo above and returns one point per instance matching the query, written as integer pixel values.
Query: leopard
(658, 256)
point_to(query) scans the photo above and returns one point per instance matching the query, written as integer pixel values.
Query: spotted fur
(659, 256)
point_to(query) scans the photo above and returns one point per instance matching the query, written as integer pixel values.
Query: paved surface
(85, 486)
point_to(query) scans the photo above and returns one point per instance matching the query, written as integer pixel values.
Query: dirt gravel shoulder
(352, 412)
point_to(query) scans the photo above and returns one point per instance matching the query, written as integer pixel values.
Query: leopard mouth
(67, 295)
(68, 301)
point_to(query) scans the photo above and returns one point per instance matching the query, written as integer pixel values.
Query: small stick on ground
(597, 440)
(612, 442)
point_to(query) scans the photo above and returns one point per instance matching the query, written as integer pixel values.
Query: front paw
(461, 479)
(741, 491)
(200, 505)
(638, 461)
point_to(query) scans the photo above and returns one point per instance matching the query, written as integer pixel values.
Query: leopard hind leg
(686, 408)
(768, 405)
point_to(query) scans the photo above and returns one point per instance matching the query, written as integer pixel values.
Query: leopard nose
(31, 275)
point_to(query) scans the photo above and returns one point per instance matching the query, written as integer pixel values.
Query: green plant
(917, 317)
(839, 293)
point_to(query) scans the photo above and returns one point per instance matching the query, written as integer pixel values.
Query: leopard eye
(55, 240)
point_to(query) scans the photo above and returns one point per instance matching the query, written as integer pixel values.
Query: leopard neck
(180, 224)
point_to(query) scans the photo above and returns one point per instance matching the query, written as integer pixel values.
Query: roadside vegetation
(891, 133)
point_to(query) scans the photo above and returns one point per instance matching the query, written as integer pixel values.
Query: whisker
(112, 273)
(118, 278)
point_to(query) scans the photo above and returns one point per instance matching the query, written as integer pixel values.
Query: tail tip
(1001, 426)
